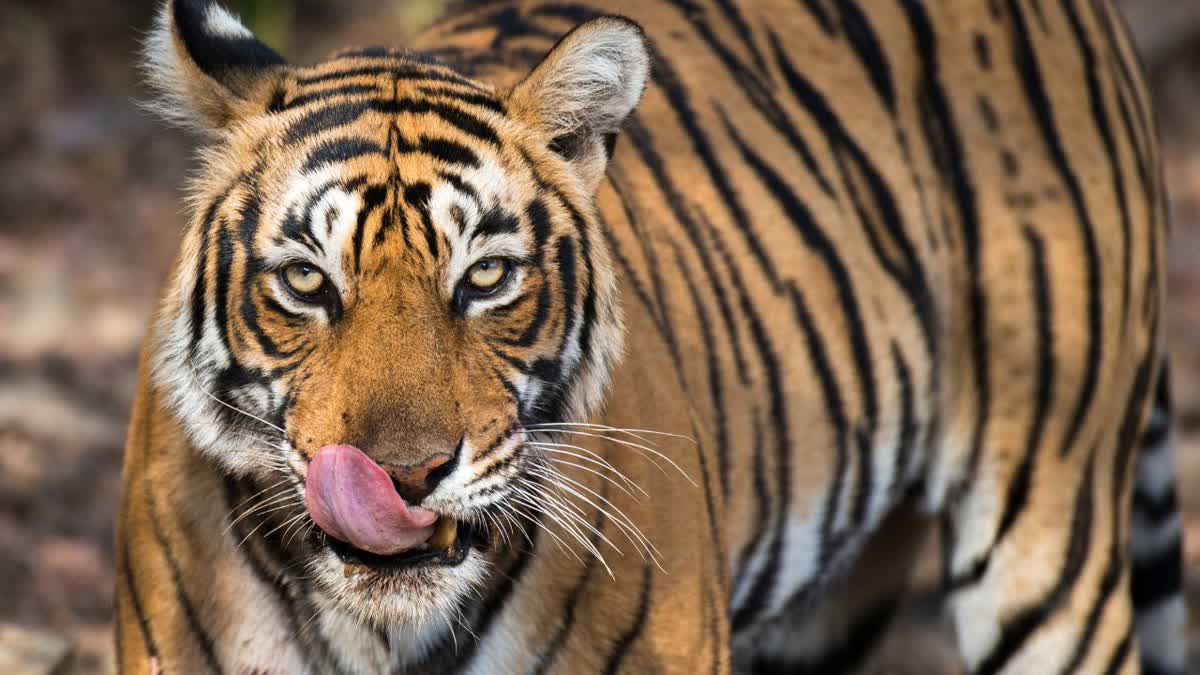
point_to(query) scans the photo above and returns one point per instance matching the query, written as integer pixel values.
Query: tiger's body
(882, 262)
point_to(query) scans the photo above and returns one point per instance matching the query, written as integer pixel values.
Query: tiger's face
(392, 276)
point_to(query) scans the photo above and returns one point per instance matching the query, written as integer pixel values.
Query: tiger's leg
(1157, 546)
(841, 633)
(1037, 538)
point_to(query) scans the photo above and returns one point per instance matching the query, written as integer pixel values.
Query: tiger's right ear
(208, 69)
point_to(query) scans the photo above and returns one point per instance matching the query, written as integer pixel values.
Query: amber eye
(485, 276)
(303, 279)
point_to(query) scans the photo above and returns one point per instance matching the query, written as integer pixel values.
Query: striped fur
(847, 269)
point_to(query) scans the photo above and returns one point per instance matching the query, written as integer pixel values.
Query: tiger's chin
(424, 589)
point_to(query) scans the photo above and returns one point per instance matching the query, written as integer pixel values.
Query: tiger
(657, 336)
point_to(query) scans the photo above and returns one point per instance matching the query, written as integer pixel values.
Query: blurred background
(89, 222)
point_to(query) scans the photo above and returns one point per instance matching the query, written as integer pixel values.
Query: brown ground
(89, 215)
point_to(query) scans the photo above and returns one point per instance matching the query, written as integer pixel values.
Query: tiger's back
(885, 263)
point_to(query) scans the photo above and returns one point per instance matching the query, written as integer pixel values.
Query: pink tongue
(353, 500)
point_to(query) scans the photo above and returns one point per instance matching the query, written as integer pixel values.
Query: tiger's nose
(415, 482)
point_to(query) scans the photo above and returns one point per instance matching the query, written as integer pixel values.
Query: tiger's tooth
(443, 537)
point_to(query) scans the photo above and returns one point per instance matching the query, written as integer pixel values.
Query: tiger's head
(391, 275)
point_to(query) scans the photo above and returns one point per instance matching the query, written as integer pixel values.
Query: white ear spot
(219, 22)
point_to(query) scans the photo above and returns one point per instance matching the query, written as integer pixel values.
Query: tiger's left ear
(209, 69)
(583, 90)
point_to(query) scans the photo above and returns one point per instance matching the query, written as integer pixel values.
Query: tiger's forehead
(388, 130)
(381, 70)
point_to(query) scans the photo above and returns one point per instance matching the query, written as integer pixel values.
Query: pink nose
(414, 483)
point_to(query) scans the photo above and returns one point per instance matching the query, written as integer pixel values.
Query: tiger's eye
(486, 274)
(303, 279)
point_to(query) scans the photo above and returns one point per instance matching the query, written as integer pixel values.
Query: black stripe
(1108, 583)
(1121, 654)
(908, 422)
(644, 145)
(203, 639)
(225, 255)
(326, 94)
(1026, 62)
(1100, 117)
(136, 599)
(764, 585)
(762, 499)
(625, 642)
(792, 205)
(865, 44)
(942, 137)
(758, 94)
(741, 28)
(557, 408)
(657, 307)
(1156, 510)
(629, 277)
(498, 599)
(770, 364)
(483, 100)
(396, 70)
(541, 315)
(983, 53)
(835, 412)
(257, 288)
(568, 282)
(339, 150)
(277, 580)
(1015, 632)
(342, 113)
(494, 222)
(1043, 389)
(1157, 578)
(669, 81)
(200, 289)
(821, 16)
(716, 390)
(373, 197)
(447, 151)
(1143, 138)
(570, 607)
(460, 185)
(539, 219)
(865, 487)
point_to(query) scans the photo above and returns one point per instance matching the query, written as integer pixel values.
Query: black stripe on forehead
(322, 94)
(340, 150)
(494, 222)
(460, 185)
(297, 222)
(397, 70)
(341, 114)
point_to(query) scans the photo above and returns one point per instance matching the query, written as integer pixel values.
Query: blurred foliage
(273, 21)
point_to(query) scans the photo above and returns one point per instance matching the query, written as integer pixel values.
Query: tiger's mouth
(448, 546)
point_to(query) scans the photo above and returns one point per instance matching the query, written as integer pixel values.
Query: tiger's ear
(583, 90)
(208, 69)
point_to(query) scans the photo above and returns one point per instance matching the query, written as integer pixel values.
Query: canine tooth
(443, 537)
